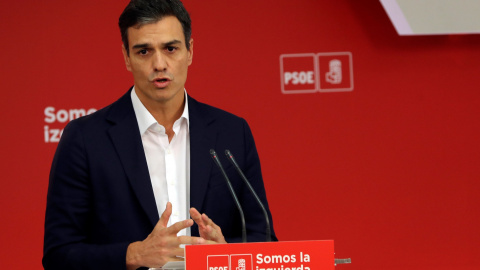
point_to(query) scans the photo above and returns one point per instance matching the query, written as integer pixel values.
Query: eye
(171, 49)
(143, 51)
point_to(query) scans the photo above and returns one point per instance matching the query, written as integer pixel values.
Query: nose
(159, 62)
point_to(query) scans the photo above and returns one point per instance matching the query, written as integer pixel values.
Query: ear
(126, 57)
(190, 52)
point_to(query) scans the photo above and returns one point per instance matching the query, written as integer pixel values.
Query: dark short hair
(140, 12)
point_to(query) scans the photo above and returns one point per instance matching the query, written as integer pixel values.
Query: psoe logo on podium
(335, 72)
(241, 262)
(298, 73)
(218, 262)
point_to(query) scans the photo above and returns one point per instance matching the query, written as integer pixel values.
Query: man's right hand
(162, 244)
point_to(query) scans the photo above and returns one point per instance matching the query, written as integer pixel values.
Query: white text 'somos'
(54, 117)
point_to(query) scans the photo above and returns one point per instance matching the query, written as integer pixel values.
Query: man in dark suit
(116, 172)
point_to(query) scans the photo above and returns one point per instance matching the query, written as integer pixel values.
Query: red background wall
(389, 171)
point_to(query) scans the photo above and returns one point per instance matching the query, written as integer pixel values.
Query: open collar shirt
(168, 162)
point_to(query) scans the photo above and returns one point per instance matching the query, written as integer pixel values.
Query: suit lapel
(128, 144)
(202, 139)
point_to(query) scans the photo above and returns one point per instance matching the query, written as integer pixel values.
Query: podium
(294, 255)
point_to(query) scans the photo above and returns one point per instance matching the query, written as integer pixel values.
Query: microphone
(267, 220)
(242, 217)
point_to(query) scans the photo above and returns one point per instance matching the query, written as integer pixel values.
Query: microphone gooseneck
(229, 184)
(267, 220)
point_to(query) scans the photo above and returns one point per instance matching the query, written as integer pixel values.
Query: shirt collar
(145, 119)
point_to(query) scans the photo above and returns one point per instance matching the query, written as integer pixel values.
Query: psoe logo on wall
(55, 121)
(321, 72)
(230, 262)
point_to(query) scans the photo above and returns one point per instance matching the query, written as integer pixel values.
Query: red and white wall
(388, 167)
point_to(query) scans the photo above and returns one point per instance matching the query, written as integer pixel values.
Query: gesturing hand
(162, 244)
(207, 228)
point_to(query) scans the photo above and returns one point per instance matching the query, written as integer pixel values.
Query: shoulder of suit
(100, 116)
(211, 111)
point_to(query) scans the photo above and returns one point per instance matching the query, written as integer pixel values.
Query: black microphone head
(212, 152)
(228, 154)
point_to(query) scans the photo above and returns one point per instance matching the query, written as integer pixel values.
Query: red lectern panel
(299, 255)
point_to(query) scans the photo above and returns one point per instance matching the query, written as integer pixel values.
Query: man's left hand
(207, 228)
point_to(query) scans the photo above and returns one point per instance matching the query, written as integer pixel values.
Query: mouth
(161, 82)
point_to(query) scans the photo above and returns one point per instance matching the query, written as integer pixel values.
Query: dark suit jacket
(100, 197)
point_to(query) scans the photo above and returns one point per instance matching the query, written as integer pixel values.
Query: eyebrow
(146, 45)
(140, 46)
(173, 42)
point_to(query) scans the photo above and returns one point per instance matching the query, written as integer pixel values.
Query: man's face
(159, 61)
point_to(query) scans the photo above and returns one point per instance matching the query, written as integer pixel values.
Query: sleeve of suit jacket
(68, 241)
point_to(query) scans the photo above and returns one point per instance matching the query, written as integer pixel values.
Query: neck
(167, 113)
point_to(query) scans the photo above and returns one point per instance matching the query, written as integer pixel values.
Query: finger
(213, 236)
(196, 216)
(176, 259)
(208, 228)
(211, 232)
(207, 220)
(178, 253)
(191, 240)
(207, 232)
(163, 222)
(178, 226)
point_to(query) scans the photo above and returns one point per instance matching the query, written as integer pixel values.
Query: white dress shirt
(168, 162)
